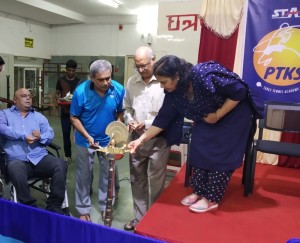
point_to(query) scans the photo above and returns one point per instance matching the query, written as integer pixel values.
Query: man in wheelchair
(24, 135)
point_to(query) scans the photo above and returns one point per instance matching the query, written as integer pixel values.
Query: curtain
(216, 48)
(286, 161)
(219, 21)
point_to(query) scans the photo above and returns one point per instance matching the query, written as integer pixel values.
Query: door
(129, 68)
(31, 82)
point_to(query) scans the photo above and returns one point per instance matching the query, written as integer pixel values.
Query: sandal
(203, 206)
(190, 199)
(85, 217)
(130, 225)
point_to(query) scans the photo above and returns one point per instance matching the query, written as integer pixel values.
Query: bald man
(25, 134)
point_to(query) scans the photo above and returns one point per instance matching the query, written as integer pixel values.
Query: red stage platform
(270, 215)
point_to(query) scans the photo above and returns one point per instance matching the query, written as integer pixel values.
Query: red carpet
(270, 215)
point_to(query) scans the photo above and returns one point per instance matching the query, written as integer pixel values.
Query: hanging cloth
(221, 16)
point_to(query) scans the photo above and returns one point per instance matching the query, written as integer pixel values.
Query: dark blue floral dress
(218, 146)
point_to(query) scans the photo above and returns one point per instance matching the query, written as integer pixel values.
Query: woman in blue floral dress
(216, 100)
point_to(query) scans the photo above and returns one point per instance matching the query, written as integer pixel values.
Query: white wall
(182, 43)
(15, 30)
(75, 40)
(95, 39)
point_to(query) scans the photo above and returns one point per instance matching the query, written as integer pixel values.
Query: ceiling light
(111, 3)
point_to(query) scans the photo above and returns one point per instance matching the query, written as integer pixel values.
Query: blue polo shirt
(96, 112)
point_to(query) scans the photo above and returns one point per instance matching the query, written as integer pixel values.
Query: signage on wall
(272, 51)
(186, 20)
(28, 42)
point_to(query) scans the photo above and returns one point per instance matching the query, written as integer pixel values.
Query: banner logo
(276, 58)
(286, 13)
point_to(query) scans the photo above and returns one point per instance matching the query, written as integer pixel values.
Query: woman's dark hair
(170, 66)
(71, 64)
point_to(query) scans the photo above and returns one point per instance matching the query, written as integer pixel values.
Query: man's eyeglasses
(142, 67)
(104, 79)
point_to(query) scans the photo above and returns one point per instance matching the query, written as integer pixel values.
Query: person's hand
(140, 126)
(132, 125)
(92, 142)
(133, 145)
(36, 134)
(211, 118)
(135, 126)
(30, 139)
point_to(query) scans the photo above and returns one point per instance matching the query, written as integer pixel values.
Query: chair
(279, 116)
(39, 184)
(177, 157)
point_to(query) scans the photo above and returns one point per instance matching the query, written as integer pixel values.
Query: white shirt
(142, 101)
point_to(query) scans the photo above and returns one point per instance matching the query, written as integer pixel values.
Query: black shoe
(131, 225)
(58, 210)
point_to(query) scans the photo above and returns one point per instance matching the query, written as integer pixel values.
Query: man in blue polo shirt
(95, 104)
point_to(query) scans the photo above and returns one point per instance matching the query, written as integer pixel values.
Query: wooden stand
(110, 195)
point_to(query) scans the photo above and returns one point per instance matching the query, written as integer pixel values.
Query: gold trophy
(118, 133)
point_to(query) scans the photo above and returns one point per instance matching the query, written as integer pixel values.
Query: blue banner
(23, 224)
(272, 49)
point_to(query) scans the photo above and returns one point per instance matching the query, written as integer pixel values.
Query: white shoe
(190, 199)
(203, 206)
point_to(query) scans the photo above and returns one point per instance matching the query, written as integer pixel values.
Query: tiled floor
(122, 210)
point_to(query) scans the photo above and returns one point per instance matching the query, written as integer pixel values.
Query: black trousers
(20, 171)
(66, 126)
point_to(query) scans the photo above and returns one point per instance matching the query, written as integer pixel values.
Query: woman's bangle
(218, 115)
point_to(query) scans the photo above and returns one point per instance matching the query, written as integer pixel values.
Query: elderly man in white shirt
(148, 165)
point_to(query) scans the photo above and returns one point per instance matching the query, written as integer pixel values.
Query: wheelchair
(8, 191)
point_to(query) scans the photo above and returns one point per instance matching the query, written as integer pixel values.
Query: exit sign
(28, 42)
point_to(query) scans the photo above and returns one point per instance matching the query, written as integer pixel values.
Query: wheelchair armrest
(55, 147)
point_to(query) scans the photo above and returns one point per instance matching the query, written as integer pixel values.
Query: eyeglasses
(104, 79)
(142, 66)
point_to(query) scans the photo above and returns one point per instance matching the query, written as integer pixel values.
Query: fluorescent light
(110, 3)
